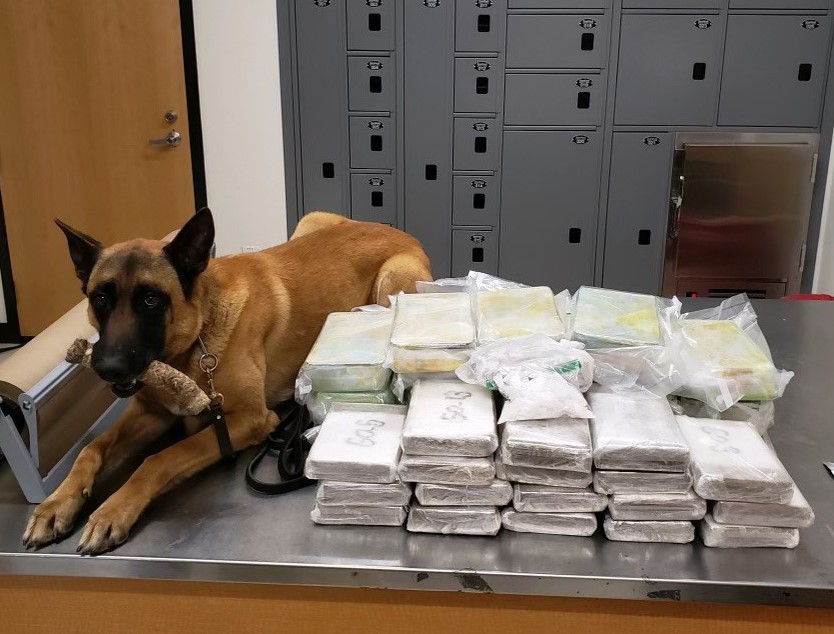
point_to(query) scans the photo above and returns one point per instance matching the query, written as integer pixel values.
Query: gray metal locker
(560, 4)
(370, 25)
(478, 25)
(428, 50)
(474, 250)
(638, 208)
(371, 84)
(549, 206)
(477, 84)
(679, 4)
(774, 70)
(372, 142)
(799, 5)
(373, 197)
(476, 201)
(557, 41)
(322, 107)
(477, 142)
(554, 99)
(668, 69)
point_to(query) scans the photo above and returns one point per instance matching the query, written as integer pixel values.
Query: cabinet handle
(699, 71)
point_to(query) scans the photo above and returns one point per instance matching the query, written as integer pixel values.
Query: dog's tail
(316, 220)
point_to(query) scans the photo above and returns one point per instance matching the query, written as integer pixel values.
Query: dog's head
(144, 297)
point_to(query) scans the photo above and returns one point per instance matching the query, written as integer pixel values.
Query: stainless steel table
(214, 529)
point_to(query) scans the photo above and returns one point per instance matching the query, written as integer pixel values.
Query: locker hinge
(802, 257)
(814, 168)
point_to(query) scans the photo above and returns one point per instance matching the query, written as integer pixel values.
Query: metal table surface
(213, 529)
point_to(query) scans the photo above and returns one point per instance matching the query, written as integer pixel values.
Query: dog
(258, 313)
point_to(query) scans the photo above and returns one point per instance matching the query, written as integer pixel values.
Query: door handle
(172, 139)
(676, 204)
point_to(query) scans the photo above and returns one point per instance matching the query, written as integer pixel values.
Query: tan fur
(260, 314)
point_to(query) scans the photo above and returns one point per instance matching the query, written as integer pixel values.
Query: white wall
(824, 271)
(240, 104)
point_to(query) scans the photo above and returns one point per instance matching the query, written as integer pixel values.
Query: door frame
(10, 331)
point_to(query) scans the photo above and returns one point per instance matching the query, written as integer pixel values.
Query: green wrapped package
(515, 312)
(614, 319)
(319, 403)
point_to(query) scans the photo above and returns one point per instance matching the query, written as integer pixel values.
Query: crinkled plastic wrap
(536, 498)
(450, 418)
(515, 312)
(402, 383)
(724, 358)
(562, 443)
(636, 431)
(433, 320)
(604, 318)
(359, 515)
(715, 535)
(454, 520)
(496, 493)
(330, 493)
(444, 285)
(795, 514)
(649, 532)
(426, 360)
(348, 355)
(730, 461)
(760, 414)
(546, 477)
(357, 443)
(651, 368)
(319, 403)
(625, 482)
(578, 524)
(657, 506)
(446, 470)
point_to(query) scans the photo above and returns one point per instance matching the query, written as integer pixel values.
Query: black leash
(289, 447)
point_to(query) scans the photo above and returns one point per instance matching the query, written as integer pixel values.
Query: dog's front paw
(107, 528)
(52, 519)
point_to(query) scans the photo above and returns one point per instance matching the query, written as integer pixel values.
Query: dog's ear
(190, 250)
(83, 250)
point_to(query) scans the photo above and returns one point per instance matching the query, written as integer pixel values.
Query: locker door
(557, 41)
(768, 85)
(549, 207)
(477, 84)
(373, 197)
(477, 144)
(637, 211)
(320, 30)
(476, 201)
(668, 70)
(371, 84)
(372, 142)
(554, 99)
(370, 25)
(474, 250)
(477, 25)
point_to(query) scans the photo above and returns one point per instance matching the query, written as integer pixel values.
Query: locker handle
(675, 211)
(699, 71)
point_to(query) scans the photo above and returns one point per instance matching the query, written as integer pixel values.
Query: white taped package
(331, 493)
(636, 431)
(402, 383)
(604, 318)
(536, 498)
(546, 477)
(657, 506)
(578, 524)
(446, 470)
(795, 514)
(620, 482)
(433, 320)
(454, 520)
(450, 418)
(496, 493)
(515, 312)
(348, 355)
(560, 443)
(359, 515)
(649, 532)
(730, 461)
(319, 403)
(760, 414)
(717, 535)
(357, 443)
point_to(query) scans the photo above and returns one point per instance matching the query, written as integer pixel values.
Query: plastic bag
(576, 524)
(427, 360)
(319, 403)
(648, 532)
(446, 470)
(657, 506)
(404, 381)
(624, 482)
(563, 443)
(544, 499)
(496, 493)
(715, 535)
(445, 285)
(454, 520)
(538, 475)
(761, 415)
(795, 514)
(650, 368)
(433, 320)
(330, 493)
(358, 515)
(508, 313)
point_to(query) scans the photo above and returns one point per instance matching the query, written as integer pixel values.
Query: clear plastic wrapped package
(795, 514)
(650, 368)
(636, 431)
(515, 312)
(402, 383)
(578, 524)
(332, 493)
(433, 320)
(348, 355)
(427, 360)
(357, 443)
(359, 515)
(454, 520)
(446, 470)
(445, 285)
(496, 493)
(730, 461)
(319, 403)
(717, 535)
(761, 414)
(536, 498)
(624, 482)
(450, 418)
(562, 443)
(546, 477)
(651, 532)
(657, 506)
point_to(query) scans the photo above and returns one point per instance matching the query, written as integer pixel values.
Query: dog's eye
(100, 299)
(152, 301)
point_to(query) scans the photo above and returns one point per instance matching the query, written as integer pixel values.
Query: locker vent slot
(376, 199)
(699, 71)
(478, 201)
(644, 237)
(575, 235)
(376, 143)
(481, 85)
(483, 23)
(477, 254)
(583, 100)
(375, 83)
(480, 144)
(587, 42)
(805, 72)
(327, 170)
(431, 172)
(374, 22)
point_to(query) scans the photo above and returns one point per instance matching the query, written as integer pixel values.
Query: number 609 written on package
(364, 432)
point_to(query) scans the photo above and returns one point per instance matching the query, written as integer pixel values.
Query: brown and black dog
(259, 313)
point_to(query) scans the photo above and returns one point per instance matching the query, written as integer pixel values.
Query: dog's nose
(114, 369)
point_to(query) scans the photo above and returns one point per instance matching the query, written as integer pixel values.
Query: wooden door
(84, 86)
